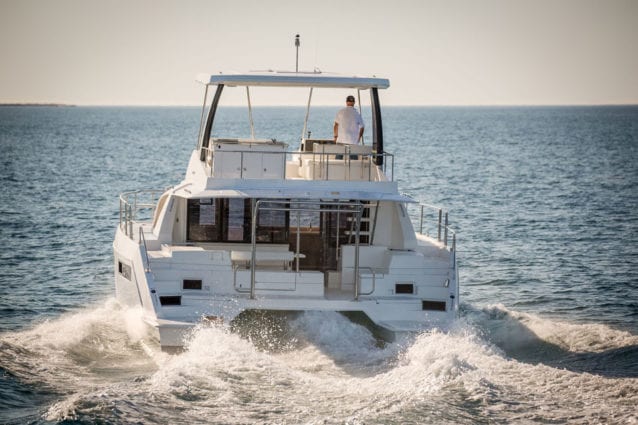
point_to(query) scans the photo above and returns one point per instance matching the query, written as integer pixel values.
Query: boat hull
(226, 293)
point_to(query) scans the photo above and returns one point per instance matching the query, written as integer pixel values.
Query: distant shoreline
(37, 104)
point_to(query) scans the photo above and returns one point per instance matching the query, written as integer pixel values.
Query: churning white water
(496, 365)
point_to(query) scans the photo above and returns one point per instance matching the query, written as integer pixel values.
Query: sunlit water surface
(544, 201)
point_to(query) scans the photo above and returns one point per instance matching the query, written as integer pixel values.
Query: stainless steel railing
(305, 206)
(439, 225)
(135, 206)
(142, 240)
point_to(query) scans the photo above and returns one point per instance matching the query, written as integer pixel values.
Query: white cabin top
(294, 79)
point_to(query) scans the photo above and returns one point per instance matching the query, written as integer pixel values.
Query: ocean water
(545, 204)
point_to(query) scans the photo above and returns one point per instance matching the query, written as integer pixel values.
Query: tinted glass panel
(237, 219)
(203, 220)
(272, 225)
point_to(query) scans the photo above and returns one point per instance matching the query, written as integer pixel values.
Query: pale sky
(435, 52)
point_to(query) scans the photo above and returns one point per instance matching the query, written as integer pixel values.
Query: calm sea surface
(545, 203)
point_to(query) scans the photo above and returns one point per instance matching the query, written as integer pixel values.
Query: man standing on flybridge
(348, 128)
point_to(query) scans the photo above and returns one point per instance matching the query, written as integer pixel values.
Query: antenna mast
(297, 44)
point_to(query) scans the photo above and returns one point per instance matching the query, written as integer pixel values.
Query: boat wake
(495, 364)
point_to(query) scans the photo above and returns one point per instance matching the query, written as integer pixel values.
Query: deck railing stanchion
(130, 222)
(438, 235)
(392, 178)
(253, 248)
(445, 228)
(454, 252)
(298, 238)
(143, 240)
(356, 254)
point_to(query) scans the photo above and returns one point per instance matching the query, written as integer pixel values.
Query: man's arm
(335, 130)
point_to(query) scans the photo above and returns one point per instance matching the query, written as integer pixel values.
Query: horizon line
(167, 105)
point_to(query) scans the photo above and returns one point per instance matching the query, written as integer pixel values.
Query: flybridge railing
(322, 165)
(135, 206)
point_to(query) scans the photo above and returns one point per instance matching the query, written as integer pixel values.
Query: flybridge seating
(316, 160)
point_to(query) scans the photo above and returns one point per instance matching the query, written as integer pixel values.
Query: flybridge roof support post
(253, 244)
(377, 128)
(205, 142)
(250, 114)
(201, 119)
(360, 110)
(305, 121)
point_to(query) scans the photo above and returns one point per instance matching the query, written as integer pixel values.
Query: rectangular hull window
(192, 284)
(171, 300)
(404, 288)
(124, 270)
(433, 305)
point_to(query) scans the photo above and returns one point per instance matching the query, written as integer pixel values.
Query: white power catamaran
(257, 226)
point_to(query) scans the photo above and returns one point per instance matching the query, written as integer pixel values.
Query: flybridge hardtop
(270, 221)
(293, 79)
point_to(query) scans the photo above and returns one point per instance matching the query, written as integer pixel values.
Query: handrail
(323, 157)
(374, 281)
(442, 225)
(310, 206)
(131, 206)
(143, 241)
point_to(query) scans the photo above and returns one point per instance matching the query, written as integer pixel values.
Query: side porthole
(404, 288)
(124, 270)
(433, 305)
(195, 284)
(171, 300)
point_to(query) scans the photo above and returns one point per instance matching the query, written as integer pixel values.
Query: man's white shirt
(350, 122)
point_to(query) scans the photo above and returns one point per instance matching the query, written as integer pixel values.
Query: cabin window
(203, 220)
(238, 224)
(228, 220)
(272, 224)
